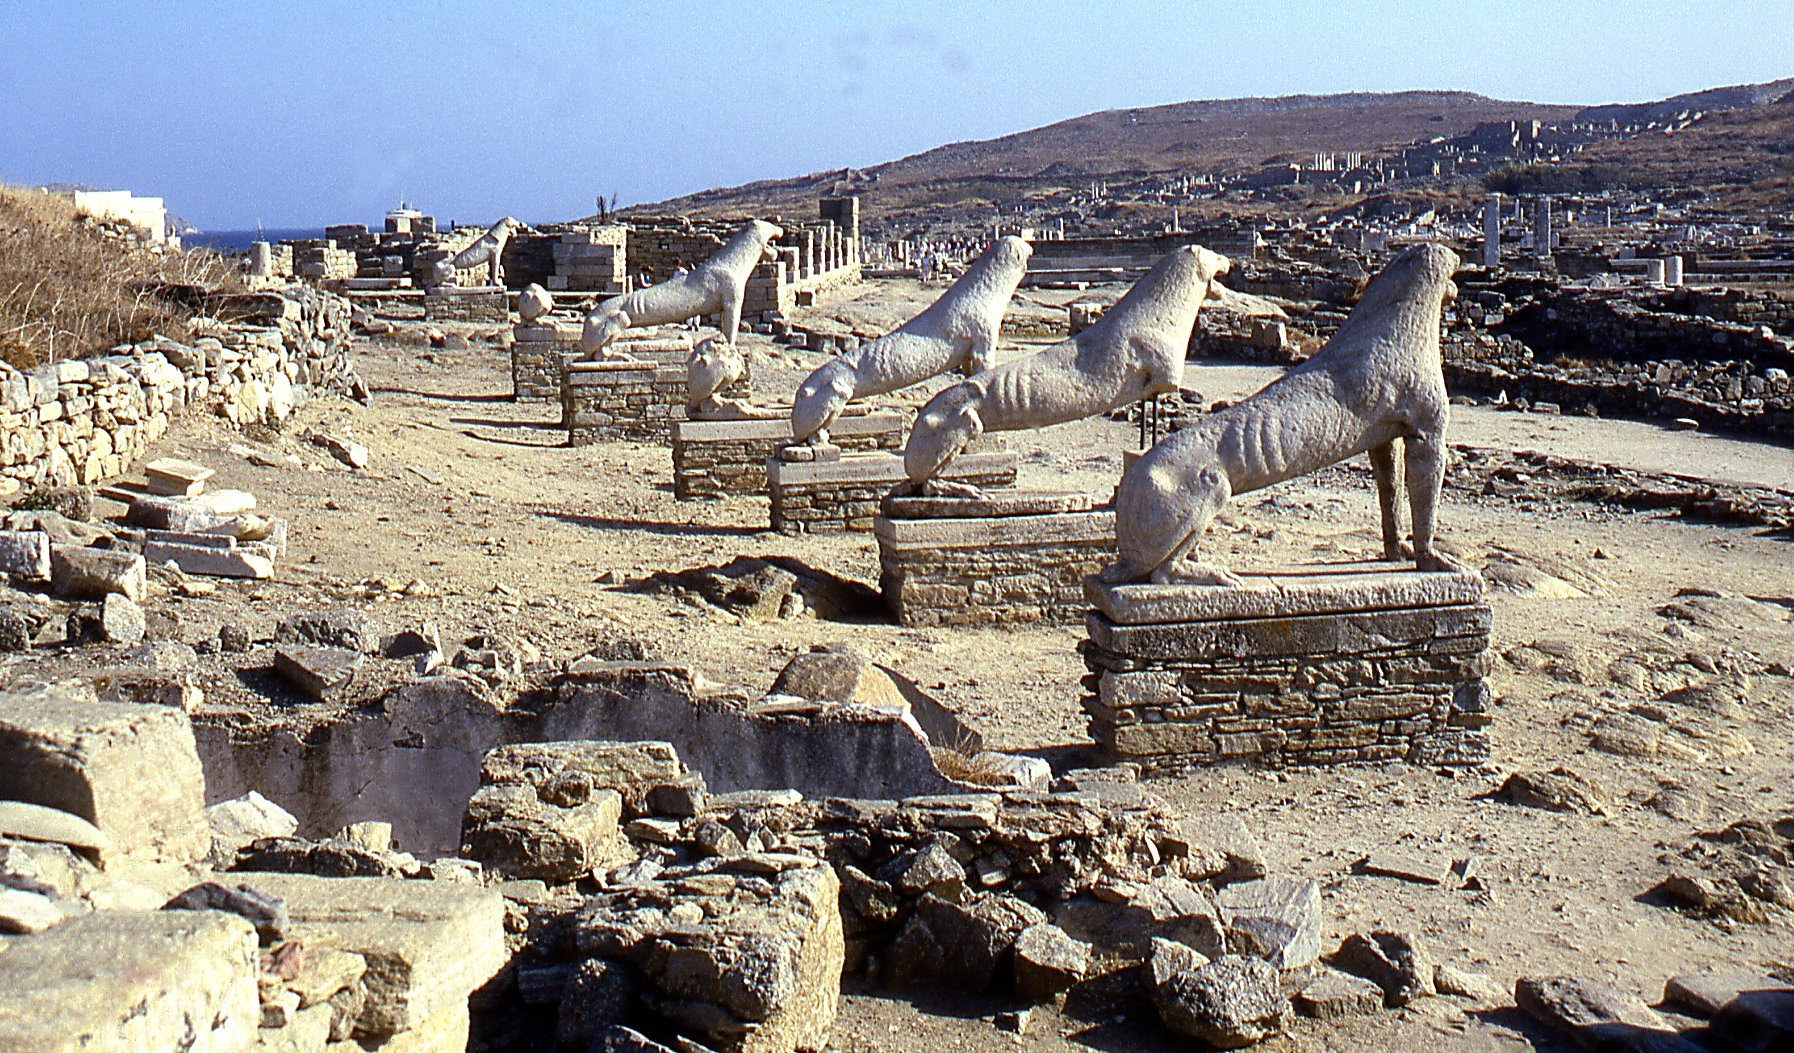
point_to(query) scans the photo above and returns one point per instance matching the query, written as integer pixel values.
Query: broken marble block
(131, 770)
(633, 769)
(215, 555)
(426, 945)
(25, 555)
(131, 980)
(743, 954)
(557, 831)
(1277, 919)
(318, 673)
(173, 477)
(78, 573)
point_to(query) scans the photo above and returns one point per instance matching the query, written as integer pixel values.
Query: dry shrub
(72, 286)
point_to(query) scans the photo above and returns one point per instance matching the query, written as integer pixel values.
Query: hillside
(1732, 97)
(1214, 135)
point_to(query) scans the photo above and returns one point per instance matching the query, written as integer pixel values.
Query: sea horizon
(240, 240)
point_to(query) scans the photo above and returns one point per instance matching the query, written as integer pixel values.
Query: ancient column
(1654, 272)
(1492, 232)
(1541, 238)
(809, 248)
(261, 259)
(1672, 271)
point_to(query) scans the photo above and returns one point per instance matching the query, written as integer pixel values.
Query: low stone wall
(715, 458)
(626, 400)
(255, 358)
(448, 303)
(830, 497)
(995, 570)
(1321, 666)
(539, 356)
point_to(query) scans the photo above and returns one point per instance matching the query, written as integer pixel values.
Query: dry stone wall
(256, 357)
(833, 497)
(992, 571)
(718, 458)
(450, 304)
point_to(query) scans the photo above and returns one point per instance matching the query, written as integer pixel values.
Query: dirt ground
(474, 513)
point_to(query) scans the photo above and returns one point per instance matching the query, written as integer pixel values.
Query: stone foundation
(997, 567)
(828, 497)
(482, 303)
(1307, 665)
(626, 400)
(715, 458)
(539, 355)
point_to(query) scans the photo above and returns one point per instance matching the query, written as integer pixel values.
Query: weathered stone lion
(957, 331)
(715, 286)
(488, 249)
(712, 366)
(1378, 380)
(1135, 351)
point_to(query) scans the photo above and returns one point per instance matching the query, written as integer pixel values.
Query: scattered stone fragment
(1706, 993)
(151, 687)
(514, 829)
(329, 858)
(217, 556)
(932, 870)
(349, 452)
(267, 914)
(1407, 867)
(343, 627)
(621, 1039)
(318, 673)
(1397, 962)
(121, 620)
(1278, 919)
(372, 835)
(34, 822)
(1557, 790)
(1014, 1021)
(237, 822)
(233, 638)
(597, 998)
(92, 573)
(1048, 961)
(1760, 1021)
(1231, 1002)
(1334, 994)
(1572, 1004)
(409, 643)
(1463, 983)
(22, 911)
(957, 944)
(1169, 958)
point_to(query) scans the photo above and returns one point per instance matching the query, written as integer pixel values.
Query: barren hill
(1212, 135)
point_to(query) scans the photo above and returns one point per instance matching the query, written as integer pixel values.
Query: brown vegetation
(72, 286)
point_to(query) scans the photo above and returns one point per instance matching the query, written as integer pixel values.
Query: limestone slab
(131, 770)
(128, 981)
(1295, 636)
(779, 428)
(428, 944)
(996, 530)
(25, 555)
(885, 469)
(1286, 592)
(1000, 503)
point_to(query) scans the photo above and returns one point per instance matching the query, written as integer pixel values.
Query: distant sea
(239, 240)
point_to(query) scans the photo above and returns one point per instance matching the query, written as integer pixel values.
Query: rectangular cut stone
(25, 555)
(832, 496)
(131, 770)
(712, 458)
(1386, 683)
(626, 400)
(172, 477)
(221, 558)
(126, 981)
(1287, 592)
(1001, 569)
(428, 944)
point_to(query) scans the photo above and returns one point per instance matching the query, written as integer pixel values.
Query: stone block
(25, 555)
(511, 829)
(207, 554)
(90, 573)
(427, 945)
(1277, 919)
(173, 477)
(131, 770)
(122, 981)
(318, 673)
(761, 974)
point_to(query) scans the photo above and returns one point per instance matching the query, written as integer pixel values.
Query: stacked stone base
(717, 458)
(993, 569)
(484, 303)
(831, 497)
(626, 400)
(1317, 665)
(539, 355)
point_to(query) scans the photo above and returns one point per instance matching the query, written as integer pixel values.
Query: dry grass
(70, 287)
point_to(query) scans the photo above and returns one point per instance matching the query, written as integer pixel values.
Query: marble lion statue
(1378, 381)
(534, 303)
(957, 331)
(715, 286)
(488, 249)
(712, 366)
(1135, 351)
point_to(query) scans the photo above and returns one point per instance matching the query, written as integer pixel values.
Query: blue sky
(299, 113)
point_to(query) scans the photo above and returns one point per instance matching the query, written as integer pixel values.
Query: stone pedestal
(480, 303)
(1018, 556)
(539, 355)
(716, 458)
(831, 496)
(626, 400)
(1316, 664)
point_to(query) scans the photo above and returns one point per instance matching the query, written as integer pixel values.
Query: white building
(147, 214)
